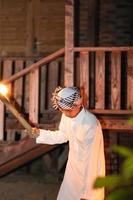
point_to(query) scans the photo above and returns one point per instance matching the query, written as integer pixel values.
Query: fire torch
(4, 97)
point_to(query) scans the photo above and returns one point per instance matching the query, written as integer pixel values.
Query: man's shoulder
(90, 117)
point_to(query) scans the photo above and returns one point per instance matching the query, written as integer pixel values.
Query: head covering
(66, 98)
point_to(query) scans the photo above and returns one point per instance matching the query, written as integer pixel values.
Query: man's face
(72, 112)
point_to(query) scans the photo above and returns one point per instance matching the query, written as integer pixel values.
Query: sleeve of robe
(53, 137)
(93, 162)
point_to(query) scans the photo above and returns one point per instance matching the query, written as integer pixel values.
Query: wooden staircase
(104, 75)
(17, 154)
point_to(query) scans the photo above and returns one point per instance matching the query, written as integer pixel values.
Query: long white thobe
(86, 155)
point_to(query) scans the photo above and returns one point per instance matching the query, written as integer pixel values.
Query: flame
(3, 89)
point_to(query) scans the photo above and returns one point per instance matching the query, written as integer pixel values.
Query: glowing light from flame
(3, 89)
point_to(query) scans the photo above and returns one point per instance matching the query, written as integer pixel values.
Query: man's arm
(51, 137)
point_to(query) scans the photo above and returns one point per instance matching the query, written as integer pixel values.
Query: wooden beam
(111, 112)
(69, 43)
(108, 121)
(116, 124)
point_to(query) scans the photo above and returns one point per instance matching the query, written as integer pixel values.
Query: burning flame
(3, 89)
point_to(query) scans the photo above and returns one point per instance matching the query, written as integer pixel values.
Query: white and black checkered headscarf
(66, 98)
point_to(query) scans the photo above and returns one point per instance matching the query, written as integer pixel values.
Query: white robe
(86, 155)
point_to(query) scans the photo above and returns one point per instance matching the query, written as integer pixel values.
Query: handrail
(111, 111)
(35, 65)
(86, 49)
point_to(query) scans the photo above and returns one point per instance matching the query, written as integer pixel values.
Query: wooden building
(43, 44)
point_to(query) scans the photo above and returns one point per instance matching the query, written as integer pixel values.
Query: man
(86, 152)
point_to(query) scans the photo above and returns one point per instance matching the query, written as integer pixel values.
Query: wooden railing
(104, 75)
(31, 82)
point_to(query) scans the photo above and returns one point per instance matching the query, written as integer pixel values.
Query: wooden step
(18, 154)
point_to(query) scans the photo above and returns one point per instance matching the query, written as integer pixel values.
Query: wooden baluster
(18, 89)
(7, 72)
(43, 88)
(61, 71)
(130, 80)
(115, 93)
(116, 80)
(18, 84)
(53, 78)
(100, 80)
(1, 111)
(34, 96)
(26, 87)
(84, 77)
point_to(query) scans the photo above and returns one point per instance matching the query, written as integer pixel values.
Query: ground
(29, 187)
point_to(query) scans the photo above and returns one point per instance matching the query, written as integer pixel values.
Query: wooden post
(32, 48)
(69, 43)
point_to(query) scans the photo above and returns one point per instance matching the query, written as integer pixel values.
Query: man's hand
(35, 133)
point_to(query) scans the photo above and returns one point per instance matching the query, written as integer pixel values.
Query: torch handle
(17, 114)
